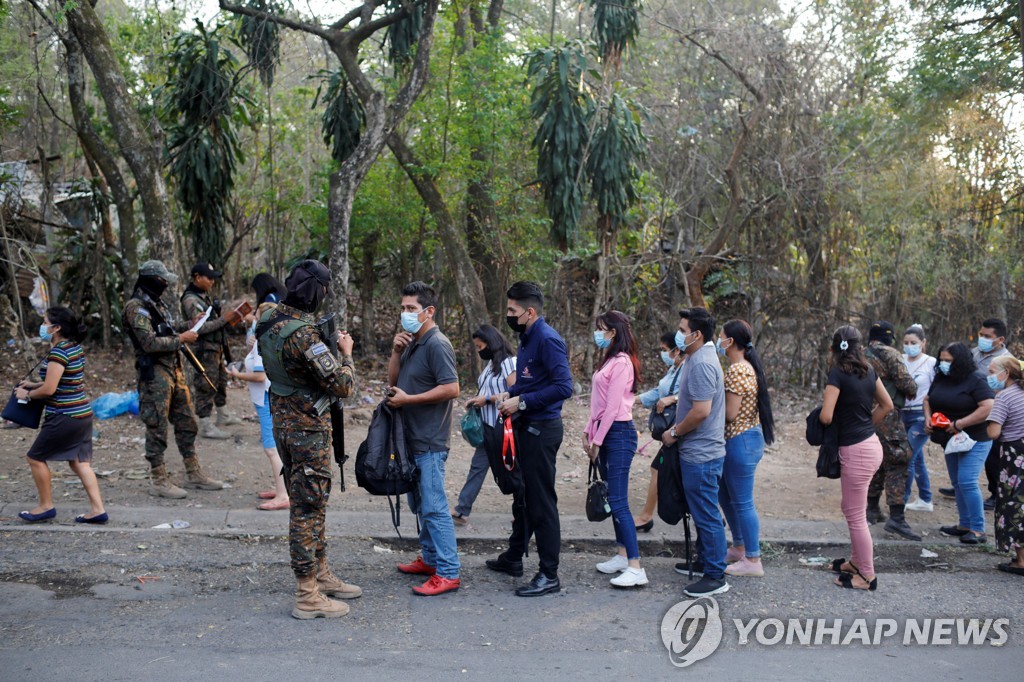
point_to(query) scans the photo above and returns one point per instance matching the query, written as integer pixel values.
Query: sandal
(846, 580)
(837, 566)
(1008, 567)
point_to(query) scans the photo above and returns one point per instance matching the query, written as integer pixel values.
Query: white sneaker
(631, 577)
(920, 505)
(616, 564)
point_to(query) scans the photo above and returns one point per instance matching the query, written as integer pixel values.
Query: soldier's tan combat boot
(161, 486)
(226, 418)
(195, 478)
(207, 429)
(332, 585)
(310, 603)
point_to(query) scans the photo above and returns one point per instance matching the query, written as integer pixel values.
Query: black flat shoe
(947, 492)
(98, 519)
(36, 518)
(645, 527)
(503, 565)
(972, 538)
(541, 584)
(955, 531)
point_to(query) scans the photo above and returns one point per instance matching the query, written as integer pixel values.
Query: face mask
(411, 322)
(985, 345)
(514, 324)
(486, 354)
(666, 357)
(601, 340)
(681, 343)
(720, 348)
(912, 351)
(944, 367)
(994, 383)
(44, 332)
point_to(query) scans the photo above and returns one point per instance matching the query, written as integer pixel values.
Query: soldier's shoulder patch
(143, 312)
(319, 349)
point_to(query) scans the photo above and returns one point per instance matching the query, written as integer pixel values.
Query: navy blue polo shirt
(543, 379)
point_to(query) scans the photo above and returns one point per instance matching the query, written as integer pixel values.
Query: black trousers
(992, 468)
(535, 512)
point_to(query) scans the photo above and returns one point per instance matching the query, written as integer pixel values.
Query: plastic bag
(113, 404)
(473, 427)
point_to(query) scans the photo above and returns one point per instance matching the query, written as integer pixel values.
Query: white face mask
(411, 322)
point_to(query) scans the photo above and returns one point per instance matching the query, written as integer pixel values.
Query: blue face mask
(411, 322)
(994, 383)
(681, 343)
(945, 366)
(985, 345)
(601, 340)
(720, 348)
(666, 357)
(44, 332)
(911, 351)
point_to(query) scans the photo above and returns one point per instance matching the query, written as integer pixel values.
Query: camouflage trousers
(205, 396)
(165, 399)
(896, 455)
(306, 456)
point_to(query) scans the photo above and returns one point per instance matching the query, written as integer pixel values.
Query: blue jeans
(736, 494)
(914, 421)
(964, 470)
(437, 530)
(700, 483)
(614, 460)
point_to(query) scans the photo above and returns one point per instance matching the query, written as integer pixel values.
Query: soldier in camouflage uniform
(896, 450)
(210, 351)
(163, 393)
(304, 376)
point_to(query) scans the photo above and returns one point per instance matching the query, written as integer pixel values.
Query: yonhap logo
(691, 631)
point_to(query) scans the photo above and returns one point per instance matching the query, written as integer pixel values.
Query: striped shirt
(69, 398)
(489, 385)
(1008, 411)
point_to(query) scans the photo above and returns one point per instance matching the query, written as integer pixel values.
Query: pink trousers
(859, 462)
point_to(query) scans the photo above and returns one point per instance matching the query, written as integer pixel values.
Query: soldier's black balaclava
(152, 285)
(307, 284)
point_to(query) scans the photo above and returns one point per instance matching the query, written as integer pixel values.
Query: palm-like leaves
(343, 118)
(616, 26)
(617, 144)
(261, 40)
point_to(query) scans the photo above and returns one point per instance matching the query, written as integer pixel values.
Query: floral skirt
(1010, 500)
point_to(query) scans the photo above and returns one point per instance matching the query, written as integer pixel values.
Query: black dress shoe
(948, 492)
(955, 531)
(504, 565)
(541, 584)
(645, 527)
(990, 503)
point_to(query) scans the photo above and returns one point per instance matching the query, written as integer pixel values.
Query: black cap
(882, 331)
(206, 270)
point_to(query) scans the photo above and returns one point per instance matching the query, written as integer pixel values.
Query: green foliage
(200, 100)
(343, 118)
(616, 26)
(401, 37)
(564, 107)
(261, 39)
(617, 145)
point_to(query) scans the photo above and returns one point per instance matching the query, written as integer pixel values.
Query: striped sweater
(70, 397)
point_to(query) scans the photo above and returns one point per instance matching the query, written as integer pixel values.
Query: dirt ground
(786, 485)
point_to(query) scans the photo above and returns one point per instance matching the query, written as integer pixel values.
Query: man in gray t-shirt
(699, 434)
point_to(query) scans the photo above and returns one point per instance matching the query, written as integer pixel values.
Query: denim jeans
(437, 530)
(914, 421)
(479, 467)
(736, 493)
(964, 470)
(616, 456)
(700, 483)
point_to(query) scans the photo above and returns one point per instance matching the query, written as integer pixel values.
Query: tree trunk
(368, 281)
(134, 140)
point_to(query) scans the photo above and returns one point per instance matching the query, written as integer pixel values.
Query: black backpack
(502, 447)
(384, 465)
(672, 506)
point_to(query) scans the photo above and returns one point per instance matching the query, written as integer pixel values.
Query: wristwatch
(522, 405)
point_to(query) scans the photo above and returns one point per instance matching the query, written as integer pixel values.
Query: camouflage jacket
(211, 335)
(889, 367)
(296, 412)
(141, 317)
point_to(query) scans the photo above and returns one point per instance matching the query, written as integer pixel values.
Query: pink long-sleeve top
(611, 397)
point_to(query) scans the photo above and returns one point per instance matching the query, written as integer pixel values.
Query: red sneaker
(417, 567)
(437, 585)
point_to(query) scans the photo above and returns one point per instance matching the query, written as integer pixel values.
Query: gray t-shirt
(702, 379)
(427, 364)
(983, 360)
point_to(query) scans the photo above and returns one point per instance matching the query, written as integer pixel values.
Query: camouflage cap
(155, 268)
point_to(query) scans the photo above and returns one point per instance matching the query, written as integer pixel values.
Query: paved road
(72, 607)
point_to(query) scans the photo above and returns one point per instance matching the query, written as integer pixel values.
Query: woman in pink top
(610, 438)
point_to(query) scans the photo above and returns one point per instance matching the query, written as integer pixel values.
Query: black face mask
(486, 354)
(513, 323)
(153, 286)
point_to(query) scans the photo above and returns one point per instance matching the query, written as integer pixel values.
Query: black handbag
(598, 508)
(659, 423)
(28, 414)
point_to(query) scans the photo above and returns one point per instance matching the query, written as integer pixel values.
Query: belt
(916, 408)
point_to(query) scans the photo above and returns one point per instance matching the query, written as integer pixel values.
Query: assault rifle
(328, 327)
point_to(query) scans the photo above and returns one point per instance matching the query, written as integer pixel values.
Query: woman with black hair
(268, 289)
(66, 433)
(963, 395)
(851, 392)
(498, 374)
(749, 425)
(610, 438)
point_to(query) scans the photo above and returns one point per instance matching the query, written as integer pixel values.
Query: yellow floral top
(741, 380)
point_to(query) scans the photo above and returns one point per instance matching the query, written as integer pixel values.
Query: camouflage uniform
(165, 396)
(209, 351)
(291, 348)
(896, 450)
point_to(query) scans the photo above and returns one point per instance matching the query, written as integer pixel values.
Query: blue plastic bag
(473, 427)
(113, 404)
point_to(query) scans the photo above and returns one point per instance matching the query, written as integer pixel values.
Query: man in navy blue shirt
(543, 382)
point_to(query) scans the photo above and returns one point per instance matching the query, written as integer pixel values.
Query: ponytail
(743, 336)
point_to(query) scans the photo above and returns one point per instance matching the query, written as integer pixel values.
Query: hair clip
(844, 345)
(750, 344)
